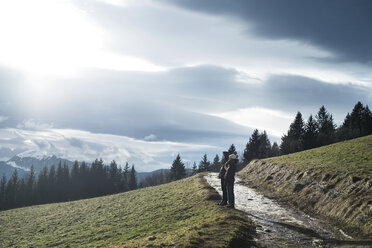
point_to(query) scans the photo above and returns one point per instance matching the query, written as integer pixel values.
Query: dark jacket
(222, 172)
(230, 172)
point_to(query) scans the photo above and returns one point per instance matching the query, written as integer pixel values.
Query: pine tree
(125, 178)
(311, 134)
(356, 119)
(252, 147)
(293, 140)
(11, 190)
(75, 190)
(132, 179)
(326, 127)
(264, 147)
(275, 150)
(84, 172)
(232, 150)
(30, 187)
(204, 164)
(2, 192)
(51, 184)
(367, 121)
(177, 170)
(216, 163)
(194, 169)
(114, 177)
(43, 186)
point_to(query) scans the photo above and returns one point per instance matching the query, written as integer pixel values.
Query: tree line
(58, 184)
(317, 131)
(321, 129)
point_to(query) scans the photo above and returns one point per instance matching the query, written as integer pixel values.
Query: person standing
(221, 175)
(230, 167)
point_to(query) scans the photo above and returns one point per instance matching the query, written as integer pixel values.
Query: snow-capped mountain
(23, 162)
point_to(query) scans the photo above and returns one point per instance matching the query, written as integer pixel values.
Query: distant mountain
(7, 170)
(23, 164)
(38, 163)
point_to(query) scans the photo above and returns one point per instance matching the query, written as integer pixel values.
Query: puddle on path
(281, 227)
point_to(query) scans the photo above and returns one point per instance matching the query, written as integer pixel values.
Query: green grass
(350, 157)
(176, 214)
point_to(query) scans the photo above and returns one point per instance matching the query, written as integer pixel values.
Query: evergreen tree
(125, 178)
(194, 169)
(132, 179)
(51, 185)
(251, 150)
(30, 187)
(75, 188)
(177, 171)
(367, 121)
(356, 119)
(293, 140)
(258, 146)
(326, 127)
(204, 164)
(114, 175)
(59, 182)
(11, 191)
(216, 164)
(83, 179)
(42, 186)
(275, 150)
(2, 192)
(265, 146)
(232, 150)
(311, 134)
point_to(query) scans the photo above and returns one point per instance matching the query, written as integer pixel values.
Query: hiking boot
(230, 206)
(222, 203)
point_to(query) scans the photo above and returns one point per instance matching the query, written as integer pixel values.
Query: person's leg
(224, 192)
(230, 194)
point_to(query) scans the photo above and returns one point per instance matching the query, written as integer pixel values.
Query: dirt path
(281, 227)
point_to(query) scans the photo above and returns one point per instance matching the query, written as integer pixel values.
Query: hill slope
(333, 181)
(180, 213)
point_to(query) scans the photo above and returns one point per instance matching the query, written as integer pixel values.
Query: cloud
(3, 118)
(260, 118)
(82, 145)
(150, 137)
(342, 27)
(34, 124)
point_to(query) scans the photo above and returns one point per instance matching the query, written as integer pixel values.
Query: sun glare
(47, 38)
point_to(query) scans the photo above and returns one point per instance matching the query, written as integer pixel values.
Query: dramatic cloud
(342, 27)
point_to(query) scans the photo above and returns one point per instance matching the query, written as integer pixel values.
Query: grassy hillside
(352, 156)
(334, 182)
(181, 213)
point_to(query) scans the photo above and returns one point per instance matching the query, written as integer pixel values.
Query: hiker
(230, 167)
(221, 175)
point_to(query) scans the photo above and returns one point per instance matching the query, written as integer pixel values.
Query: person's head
(225, 156)
(233, 158)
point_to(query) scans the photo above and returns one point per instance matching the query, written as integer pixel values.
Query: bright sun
(47, 38)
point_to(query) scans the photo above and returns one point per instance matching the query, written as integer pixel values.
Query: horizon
(141, 81)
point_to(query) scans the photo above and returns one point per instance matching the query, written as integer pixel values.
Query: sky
(140, 81)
